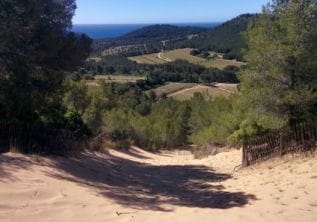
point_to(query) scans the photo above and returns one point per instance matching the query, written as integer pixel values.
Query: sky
(162, 11)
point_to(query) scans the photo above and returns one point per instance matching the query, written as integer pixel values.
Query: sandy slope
(171, 187)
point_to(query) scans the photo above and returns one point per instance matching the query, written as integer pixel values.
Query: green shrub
(75, 124)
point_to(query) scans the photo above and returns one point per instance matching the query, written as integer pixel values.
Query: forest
(177, 71)
(151, 37)
(226, 38)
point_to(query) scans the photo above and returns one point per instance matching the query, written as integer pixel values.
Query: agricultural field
(230, 87)
(115, 78)
(147, 59)
(184, 54)
(207, 91)
(185, 91)
(220, 63)
(170, 88)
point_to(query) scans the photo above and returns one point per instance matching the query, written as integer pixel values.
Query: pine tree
(36, 51)
(279, 82)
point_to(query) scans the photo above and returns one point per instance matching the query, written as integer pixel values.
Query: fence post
(281, 145)
(245, 161)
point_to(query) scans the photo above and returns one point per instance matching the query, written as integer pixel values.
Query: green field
(184, 54)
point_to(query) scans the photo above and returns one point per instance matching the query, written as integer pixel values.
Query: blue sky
(162, 11)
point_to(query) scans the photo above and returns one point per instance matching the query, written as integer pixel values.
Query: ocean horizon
(104, 31)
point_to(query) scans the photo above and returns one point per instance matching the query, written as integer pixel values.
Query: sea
(115, 30)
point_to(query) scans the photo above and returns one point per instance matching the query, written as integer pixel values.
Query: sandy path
(140, 186)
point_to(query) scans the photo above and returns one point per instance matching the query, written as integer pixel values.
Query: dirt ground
(167, 187)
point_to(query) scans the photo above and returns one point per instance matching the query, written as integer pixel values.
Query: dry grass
(172, 88)
(185, 91)
(233, 88)
(207, 91)
(221, 63)
(183, 54)
(119, 78)
(115, 78)
(147, 59)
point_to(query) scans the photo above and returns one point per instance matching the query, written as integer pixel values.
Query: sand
(167, 187)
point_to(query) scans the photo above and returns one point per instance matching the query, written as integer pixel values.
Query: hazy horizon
(97, 12)
(101, 31)
(153, 23)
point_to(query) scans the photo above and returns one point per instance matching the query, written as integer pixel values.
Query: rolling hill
(153, 34)
(226, 38)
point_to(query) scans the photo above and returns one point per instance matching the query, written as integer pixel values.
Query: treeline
(132, 50)
(127, 115)
(183, 71)
(36, 53)
(177, 71)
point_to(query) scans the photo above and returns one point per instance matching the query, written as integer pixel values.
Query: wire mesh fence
(300, 137)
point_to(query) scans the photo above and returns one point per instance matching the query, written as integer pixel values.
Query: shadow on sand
(10, 164)
(147, 187)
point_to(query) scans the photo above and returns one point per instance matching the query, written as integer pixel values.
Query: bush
(75, 124)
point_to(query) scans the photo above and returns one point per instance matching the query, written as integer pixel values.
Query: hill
(153, 34)
(161, 32)
(226, 38)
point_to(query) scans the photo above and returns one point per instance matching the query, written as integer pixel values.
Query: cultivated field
(147, 59)
(227, 86)
(185, 91)
(184, 54)
(221, 63)
(119, 78)
(115, 78)
(170, 88)
(207, 91)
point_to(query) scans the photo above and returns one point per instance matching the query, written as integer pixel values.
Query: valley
(131, 111)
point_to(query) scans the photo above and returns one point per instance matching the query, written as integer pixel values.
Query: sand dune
(145, 187)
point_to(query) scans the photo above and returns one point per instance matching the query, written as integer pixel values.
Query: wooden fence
(300, 137)
(38, 139)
